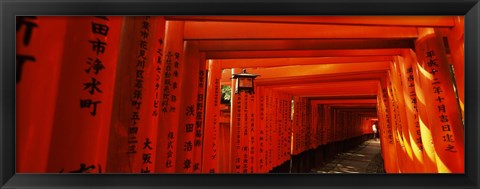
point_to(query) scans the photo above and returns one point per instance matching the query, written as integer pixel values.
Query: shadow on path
(366, 158)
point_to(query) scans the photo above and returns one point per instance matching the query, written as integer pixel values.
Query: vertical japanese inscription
(413, 101)
(94, 65)
(27, 24)
(158, 71)
(439, 96)
(252, 133)
(387, 115)
(198, 139)
(142, 60)
(137, 95)
(261, 138)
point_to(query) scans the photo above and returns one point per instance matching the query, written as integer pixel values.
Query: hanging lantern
(244, 81)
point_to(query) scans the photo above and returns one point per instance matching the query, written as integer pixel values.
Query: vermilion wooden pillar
(391, 157)
(411, 110)
(131, 138)
(274, 129)
(287, 130)
(38, 70)
(84, 101)
(245, 131)
(397, 127)
(211, 137)
(314, 125)
(280, 128)
(382, 128)
(443, 108)
(268, 129)
(168, 119)
(320, 124)
(306, 121)
(425, 126)
(457, 52)
(403, 124)
(326, 125)
(200, 98)
(236, 129)
(243, 127)
(297, 127)
(251, 128)
(285, 123)
(260, 137)
(187, 107)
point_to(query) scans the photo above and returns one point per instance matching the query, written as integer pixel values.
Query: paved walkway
(366, 158)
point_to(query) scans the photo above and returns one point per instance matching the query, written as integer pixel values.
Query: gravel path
(366, 158)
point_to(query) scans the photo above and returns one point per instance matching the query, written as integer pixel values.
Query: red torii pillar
(132, 136)
(210, 159)
(411, 160)
(390, 149)
(82, 114)
(443, 108)
(191, 111)
(171, 85)
(411, 110)
(34, 127)
(455, 37)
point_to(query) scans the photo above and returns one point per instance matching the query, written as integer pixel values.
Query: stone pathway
(366, 158)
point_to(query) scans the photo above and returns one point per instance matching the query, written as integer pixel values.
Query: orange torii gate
(160, 90)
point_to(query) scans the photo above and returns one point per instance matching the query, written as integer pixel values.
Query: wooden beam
(309, 70)
(321, 83)
(302, 53)
(248, 30)
(326, 85)
(273, 62)
(355, 108)
(420, 21)
(332, 89)
(365, 97)
(364, 75)
(326, 93)
(345, 101)
(303, 44)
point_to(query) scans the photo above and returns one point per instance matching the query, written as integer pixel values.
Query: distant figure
(374, 129)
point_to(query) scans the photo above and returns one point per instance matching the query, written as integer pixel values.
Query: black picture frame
(11, 8)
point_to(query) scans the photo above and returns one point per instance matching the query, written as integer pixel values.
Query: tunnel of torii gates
(113, 94)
